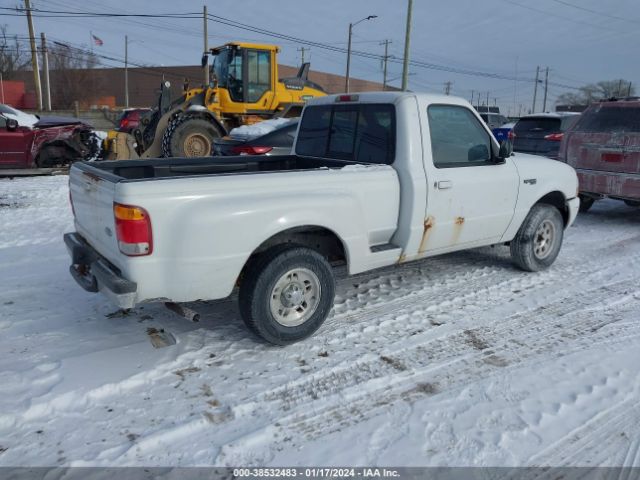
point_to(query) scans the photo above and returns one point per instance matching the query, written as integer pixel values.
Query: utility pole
(34, 55)
(45, 68)
(126, 71)
(447, 87)
(488, 101)
(535, 90)
(302, 50)
(546, 88)
(346, 80)
(472, 95)
(384, 60)
(205, 18)
(407, 42)
(629, 90)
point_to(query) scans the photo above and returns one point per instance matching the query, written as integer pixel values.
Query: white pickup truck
(374, 179)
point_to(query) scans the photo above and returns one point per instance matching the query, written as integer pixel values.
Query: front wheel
(188, 136)
(287, 293)
(537, 243)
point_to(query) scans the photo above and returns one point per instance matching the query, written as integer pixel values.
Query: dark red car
(130, 119)
(604, 148)
(29, 141)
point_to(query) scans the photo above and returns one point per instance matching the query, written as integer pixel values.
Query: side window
(362, 133)
(258, 73)
(457, 137)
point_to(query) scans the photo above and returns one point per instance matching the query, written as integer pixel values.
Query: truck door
(14, 146)
(471, 196)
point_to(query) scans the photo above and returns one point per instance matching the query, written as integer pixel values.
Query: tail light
(554, 137)
(133, 230)
(249, 150)
(124, 123)
(511, 135)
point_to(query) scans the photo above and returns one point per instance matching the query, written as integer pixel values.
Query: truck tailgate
(92, 198)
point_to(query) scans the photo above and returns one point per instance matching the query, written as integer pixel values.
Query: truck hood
(547, 172)
(55, 121)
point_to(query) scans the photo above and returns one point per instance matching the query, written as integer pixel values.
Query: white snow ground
(456, 360)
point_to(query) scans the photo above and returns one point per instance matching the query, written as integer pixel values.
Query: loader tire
(189, 136)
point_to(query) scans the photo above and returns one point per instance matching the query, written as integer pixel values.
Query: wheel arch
(319, 238)
(556, 199)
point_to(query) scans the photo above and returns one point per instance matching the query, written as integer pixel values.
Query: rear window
(610, 119)
(537, 125)
(363, 133)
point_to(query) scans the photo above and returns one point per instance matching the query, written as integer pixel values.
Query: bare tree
(73, 75)
(594, 92)
(13, 56)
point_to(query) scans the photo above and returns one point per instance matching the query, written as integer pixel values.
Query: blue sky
(586, 42)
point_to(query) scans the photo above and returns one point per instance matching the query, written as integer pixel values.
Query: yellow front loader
(244, 89)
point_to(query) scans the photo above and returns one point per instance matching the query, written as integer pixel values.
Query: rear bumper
(613, 184)
(573, 206)
(95, 274)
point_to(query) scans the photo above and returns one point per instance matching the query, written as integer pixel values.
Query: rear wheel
(287, 293)
(188, 136)
(537, 243)
(632, 203)
(586, 203)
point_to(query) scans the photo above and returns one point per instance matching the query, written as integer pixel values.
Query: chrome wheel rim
(544, 239)
(295, 297)
(197, 145)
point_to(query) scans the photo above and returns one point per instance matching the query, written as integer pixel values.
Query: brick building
(105, 86)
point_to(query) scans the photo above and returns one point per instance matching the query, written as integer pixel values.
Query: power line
(602, 14)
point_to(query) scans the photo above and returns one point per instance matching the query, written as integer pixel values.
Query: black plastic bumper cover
(90, 270)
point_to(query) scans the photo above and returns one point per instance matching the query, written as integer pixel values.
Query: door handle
(444, 184)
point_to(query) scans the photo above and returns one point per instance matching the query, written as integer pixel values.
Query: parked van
(604, 148)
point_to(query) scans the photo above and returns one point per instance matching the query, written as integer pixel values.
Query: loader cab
(245, 71)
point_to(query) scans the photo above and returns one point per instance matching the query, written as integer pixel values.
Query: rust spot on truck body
(457, 229)
(402, 258)
(429, 223)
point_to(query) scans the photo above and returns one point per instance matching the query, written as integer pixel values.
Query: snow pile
(260, 128)
(96, 144)
(24, 119)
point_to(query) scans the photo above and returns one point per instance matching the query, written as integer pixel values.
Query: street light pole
(346, 79)
(407, 42)
(351, 25)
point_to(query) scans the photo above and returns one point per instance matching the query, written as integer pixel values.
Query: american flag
(96, 40)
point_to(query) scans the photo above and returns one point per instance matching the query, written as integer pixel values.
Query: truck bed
(138, 170)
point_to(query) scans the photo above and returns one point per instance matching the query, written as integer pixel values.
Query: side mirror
(204, 60)
(506, 149)
(12, 124)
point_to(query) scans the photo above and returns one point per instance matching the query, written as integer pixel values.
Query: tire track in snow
(449, 364)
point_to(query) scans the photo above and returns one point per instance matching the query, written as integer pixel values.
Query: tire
(586, 203)
(632, 203)
(189, 136)
(272, 301)
(537, 243)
